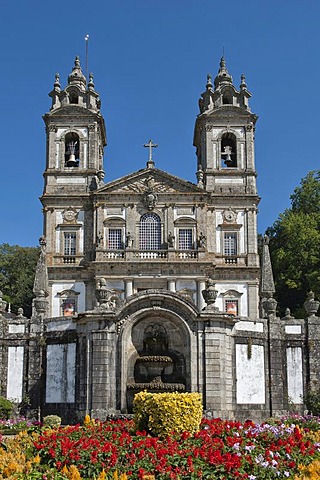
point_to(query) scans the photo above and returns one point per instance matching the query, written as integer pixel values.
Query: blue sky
(150, 60)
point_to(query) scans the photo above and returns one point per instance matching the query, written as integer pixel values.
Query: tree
(17, 271)
(295, 246)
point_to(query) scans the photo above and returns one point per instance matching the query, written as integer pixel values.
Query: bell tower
(224, 136)
(76, 136)
(224, 141)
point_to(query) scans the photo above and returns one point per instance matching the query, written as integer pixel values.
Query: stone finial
(209, 82)
(223, 76)
(91, 83)
(200, 177)
(243, 85)
(311, 305)
(287, 314)
(76, 77)
(40, 286)
(56, 85)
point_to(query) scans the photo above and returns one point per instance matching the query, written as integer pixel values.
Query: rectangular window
(230, 244)
(115, 238)
(231, 307)
(69, 307)
(185, 238)
(70, 243)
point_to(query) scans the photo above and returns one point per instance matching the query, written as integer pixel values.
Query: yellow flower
(115, 475)
(102, 475)
(87, 420)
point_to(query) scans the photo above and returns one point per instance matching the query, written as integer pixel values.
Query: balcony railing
(135, 255)
(151, 254)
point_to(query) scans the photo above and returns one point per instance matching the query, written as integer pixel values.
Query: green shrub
(52, 421)
(164, 413)
(6, 408)
(312, 400)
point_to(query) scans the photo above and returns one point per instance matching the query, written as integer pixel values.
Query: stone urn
(269, 305)
(210, 294)
(311, 305)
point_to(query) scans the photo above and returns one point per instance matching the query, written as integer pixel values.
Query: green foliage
(164, 413)
(6, 408)
(17, 271)
(295, 245)
(52, 421)
(312, 400)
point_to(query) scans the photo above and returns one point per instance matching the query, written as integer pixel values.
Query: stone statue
(171, 239)
(201, 240)
(129, 240)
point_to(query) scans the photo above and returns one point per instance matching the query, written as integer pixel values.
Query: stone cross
(150, 145)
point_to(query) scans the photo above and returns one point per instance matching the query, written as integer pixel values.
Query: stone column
(104, 382)
(277, 390)
(313, 340)
(201, 285)
(218, 366)
(128, 287)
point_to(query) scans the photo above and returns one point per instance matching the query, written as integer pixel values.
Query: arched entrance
(156, 346)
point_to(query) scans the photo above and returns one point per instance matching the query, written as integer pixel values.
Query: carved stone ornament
(150, 199)
(108, 299)
(229, 216)
(70, 215)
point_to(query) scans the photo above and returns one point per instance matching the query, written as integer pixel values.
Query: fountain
(156, 367)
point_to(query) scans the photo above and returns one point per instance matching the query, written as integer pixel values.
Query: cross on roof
(150, 145)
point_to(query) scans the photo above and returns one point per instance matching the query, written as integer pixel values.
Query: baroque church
(151, 282)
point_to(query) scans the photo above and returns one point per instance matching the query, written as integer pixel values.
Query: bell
(72, 162)
(228, 160)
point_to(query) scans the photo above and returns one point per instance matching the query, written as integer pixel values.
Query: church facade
(153, 282)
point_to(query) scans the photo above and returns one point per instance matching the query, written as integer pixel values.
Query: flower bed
(221, 450)
(15, 425)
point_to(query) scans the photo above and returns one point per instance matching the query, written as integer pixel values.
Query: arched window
(227, 98)
(228, 150)
(72, 147)
(73, 97)
(150, 232)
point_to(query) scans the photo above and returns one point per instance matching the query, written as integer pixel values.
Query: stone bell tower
(224, 141)
(76, 136)
(224, 136)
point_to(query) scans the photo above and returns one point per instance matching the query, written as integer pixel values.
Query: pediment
(149, 179)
